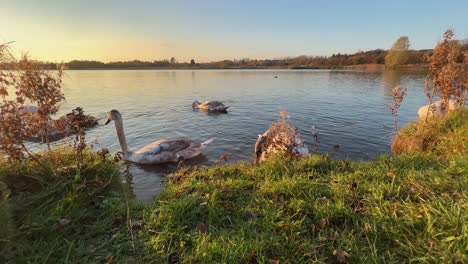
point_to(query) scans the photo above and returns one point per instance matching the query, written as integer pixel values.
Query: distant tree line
(334, 61)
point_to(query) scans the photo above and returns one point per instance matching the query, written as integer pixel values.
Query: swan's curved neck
(121, 135)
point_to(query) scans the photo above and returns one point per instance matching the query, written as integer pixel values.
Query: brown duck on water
(210, 106)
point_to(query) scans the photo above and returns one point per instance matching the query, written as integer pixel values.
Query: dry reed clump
(404, 143)
(280, 137)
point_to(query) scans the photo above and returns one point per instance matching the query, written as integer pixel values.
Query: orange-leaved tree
(23, 83)
(449, 78)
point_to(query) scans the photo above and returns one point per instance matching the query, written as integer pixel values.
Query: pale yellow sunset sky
(209, 30)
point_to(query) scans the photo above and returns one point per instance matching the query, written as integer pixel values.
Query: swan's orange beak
(107, 122)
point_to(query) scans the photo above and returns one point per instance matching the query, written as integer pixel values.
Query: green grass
(301, 211)
(393, 209)
(61, 213)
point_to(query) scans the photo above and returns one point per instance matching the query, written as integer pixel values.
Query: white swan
(161, 151)
(210, 106)
(437, 109)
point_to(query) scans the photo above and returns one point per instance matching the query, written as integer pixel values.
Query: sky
(208, 30)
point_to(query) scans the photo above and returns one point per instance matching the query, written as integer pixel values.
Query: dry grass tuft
(280, 137)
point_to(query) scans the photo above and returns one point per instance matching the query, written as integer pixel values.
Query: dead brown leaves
(202, 228)
(341, 256)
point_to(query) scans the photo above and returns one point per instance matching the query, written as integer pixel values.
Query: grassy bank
(394, 209)
(443, 136)
(60, 212)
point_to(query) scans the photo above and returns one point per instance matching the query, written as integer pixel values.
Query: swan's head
(195, 104)
(113, 115)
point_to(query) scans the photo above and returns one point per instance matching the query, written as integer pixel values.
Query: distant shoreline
(365, 67)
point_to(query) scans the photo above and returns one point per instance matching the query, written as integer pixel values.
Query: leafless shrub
(5, 53)
(398, 95)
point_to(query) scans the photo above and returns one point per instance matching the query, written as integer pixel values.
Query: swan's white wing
(161, 151)
(165, 145)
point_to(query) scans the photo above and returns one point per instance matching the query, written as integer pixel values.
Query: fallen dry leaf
(63, 222)
(109, 261)
(323, 223)
(341, 255)
(249, 215)
(253, 260)
(174, 258)
(391, 175)
(202, 228)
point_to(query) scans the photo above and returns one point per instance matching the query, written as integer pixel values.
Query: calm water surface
(349, 108)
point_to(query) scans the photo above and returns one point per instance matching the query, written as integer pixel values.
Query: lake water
(349, 108)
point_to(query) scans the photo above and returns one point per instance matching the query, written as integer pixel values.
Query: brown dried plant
(399, 94)
(223, 158)
(448, 77)
(280, 137)
(78, 122)
(25, 84)
(315, 139)
(67, 123)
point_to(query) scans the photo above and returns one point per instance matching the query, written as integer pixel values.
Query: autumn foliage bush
(24, 84)
(448, 79)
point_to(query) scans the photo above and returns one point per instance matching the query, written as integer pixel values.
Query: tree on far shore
(398, 53)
